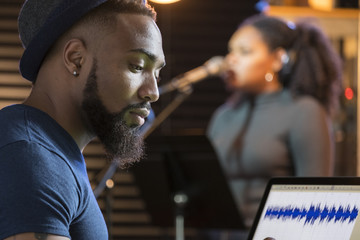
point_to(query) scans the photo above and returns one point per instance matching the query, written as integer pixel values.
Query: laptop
(319, 208)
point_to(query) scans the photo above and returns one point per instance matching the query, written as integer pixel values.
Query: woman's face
(248, 61)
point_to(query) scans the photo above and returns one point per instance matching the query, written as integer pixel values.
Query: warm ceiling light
(324, 5)
(164, 1)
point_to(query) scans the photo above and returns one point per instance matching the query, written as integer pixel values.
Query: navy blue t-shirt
(44, 186)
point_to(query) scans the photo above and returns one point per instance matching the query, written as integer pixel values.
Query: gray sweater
(278, 135)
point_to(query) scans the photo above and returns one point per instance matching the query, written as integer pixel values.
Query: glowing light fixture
(110, 183)
(164, 1)
(324, 5)
(349, 93)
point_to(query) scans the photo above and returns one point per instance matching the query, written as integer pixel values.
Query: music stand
(181, 179)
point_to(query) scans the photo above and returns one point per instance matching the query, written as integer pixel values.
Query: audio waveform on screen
(313, 213)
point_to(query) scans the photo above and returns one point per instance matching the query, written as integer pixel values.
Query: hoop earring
(269, 77)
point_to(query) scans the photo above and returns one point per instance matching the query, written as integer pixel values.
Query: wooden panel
(125, 191)
(13, 79)
(10, 38)
(11, 11)
(8, 24)
(120, 204)
(14, 93)
(138, 218)
(11, 52)
(9, 65)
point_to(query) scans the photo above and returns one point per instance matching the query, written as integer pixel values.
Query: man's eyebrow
(150, 55)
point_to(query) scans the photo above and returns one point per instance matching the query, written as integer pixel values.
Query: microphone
(211, 67)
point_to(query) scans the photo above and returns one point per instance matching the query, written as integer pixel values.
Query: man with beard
(94, 65)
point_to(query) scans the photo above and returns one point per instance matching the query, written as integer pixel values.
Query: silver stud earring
(285, 58)
(269, 77)
(75, 73)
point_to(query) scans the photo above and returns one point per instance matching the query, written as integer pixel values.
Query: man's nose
(149, 90)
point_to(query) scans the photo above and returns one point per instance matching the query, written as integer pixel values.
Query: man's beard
(122, 143)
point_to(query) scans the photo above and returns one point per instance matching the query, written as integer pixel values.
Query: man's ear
(74, 56)
(281, 58)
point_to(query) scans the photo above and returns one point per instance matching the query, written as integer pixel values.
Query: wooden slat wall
(13, 88)
(193, 31)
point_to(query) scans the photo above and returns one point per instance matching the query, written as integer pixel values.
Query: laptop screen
(323, 208)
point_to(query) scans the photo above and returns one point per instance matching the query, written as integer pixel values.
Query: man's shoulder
(12, 125)
(25, 123)
(10, 112)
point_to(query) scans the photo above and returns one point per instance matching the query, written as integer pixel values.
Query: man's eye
(136, 67)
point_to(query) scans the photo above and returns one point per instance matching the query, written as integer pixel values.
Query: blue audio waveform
(313, 213)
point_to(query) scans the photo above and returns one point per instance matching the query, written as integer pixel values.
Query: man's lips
(141, 112)
(135, 114)
(139, 115)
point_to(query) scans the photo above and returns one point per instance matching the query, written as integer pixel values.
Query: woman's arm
(311, 141)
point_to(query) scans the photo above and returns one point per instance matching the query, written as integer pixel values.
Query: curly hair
(314, 68)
